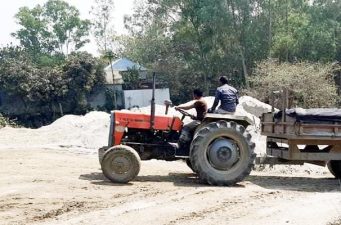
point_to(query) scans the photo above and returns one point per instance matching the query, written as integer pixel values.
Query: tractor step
(180, 151)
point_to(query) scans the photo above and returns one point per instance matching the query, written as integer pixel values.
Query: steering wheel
(184, 113)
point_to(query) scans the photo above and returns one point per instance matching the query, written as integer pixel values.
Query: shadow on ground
(179, 179)
(304, 184)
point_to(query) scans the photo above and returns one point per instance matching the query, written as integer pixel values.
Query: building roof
(124, 64)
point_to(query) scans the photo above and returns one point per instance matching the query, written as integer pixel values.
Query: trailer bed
(315, 137)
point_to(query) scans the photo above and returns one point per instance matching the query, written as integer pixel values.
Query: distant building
(122, 65)
(114, 81)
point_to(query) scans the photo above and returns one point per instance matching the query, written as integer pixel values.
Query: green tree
(203, 38)
(69, 31)
(102, 27)
(199, 40)
(21, 77)
(81, 72)
(33, 34)
(52, 28)
(45, 89)
(305, 30)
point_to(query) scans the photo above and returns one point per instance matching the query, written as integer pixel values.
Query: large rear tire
(334, 167)
(222, 153)
(189, 164)
(121, 164)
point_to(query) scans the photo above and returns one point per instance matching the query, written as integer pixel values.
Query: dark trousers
(188, 130)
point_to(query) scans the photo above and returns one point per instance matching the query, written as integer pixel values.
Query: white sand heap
(87, 132)
(90, 132)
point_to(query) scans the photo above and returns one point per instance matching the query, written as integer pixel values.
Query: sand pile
(87, 132)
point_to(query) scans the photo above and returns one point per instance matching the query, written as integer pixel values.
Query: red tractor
(221, 151)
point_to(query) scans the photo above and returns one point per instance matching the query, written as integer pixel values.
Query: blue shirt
(228, 97)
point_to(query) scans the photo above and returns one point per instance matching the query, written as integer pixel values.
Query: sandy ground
(60, 187)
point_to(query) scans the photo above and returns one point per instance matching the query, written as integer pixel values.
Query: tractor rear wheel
(334, 167)
(222, 153)
(121, 164)
(189, 164)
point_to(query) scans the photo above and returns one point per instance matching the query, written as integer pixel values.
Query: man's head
(223, 80)
(197, 93)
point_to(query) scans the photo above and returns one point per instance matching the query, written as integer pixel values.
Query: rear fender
(242, 120)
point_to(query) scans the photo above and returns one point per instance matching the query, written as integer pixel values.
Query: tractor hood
(142, 121)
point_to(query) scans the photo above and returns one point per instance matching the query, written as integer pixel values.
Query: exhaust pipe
(167, 103)
(152, 113)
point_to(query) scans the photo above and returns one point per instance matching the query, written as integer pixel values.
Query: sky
(10, 8)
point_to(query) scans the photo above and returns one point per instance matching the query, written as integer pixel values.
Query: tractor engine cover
(125, 119)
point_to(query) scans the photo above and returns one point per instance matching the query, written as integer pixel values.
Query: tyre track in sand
(47, 187)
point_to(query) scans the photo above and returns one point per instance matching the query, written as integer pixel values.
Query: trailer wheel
(334, 167)
(121, 164)
(222, 153)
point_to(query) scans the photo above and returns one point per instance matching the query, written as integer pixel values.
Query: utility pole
(110, 57)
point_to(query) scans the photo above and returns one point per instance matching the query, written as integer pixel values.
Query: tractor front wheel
(121, 164)
(222, 153)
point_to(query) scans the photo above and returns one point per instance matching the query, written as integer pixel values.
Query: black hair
(198, 92)
(223, 79)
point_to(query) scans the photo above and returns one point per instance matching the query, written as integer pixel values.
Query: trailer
(297, 136)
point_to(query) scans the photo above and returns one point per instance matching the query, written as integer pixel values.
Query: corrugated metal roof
(124, 64)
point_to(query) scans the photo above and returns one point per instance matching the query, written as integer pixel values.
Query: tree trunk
(245, 75)
(61, 109)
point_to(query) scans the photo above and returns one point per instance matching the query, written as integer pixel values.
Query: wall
(142, 98)
(98, 97)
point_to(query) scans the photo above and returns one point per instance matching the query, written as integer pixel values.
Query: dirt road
(60, 187)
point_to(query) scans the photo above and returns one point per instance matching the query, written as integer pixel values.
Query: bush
(4, 121)
(43, 90)
(310, 85)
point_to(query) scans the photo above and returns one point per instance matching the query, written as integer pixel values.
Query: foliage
(44, 88)
(21, 77)
(306, 32)
(197, 41)
(102, 27)
(54, 27)
(4, 121)
(309, 84)
(131, 79)
(81, 73)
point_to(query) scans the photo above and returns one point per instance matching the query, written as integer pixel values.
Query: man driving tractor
(200, 106)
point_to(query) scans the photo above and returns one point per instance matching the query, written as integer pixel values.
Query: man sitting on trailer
(228, 97)
(200, 106)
